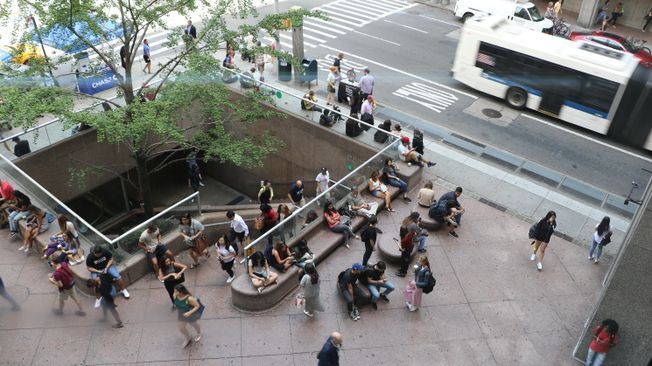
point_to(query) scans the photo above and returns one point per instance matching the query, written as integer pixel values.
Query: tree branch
(104, 169)
(162, 166)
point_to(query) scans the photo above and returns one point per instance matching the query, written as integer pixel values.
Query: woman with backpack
(601, 237)
(604, 338)
(310, 284)
(542, 233)
(189, 310)
(422, 280)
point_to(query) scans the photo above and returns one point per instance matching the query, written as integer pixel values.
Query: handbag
(299, 301)
(258, 223)
(606, 240)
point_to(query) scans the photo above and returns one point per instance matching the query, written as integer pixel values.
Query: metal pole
(276, 7)
(45, 55)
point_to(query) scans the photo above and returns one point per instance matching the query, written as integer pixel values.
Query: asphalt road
(410, 50)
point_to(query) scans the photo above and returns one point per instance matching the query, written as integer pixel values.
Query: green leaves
(23, 106)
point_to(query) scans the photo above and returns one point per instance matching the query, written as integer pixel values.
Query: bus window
(597, 93)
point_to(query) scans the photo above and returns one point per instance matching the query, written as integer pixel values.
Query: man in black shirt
(22, 146)
(374, 278)
(348, 281)
(368, 236)
(296, 194)
(453, 196)
(99, 262)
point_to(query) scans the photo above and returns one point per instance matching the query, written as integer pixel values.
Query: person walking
(192, 232)
(64, 280)
(190, 31)
(266, 192)
(601, 237)
(542, 233)
(331, 83)
(238, 229)
(194, 178)
(367, 83)
(550, 11)
(605, 337)
(104, 283)
(310, 284)
(368, 236)
(328, 355)
(422, 274)
(189, 310)
(558, 8)
(6, 296)
(171, 274)
(226, 254)
(260, 58)
(338, 62)
(323, 180)
(646, 20)
(146, 57)
(618, 12)
(100, 261)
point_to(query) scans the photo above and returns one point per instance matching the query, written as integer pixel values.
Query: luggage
(353, 128)
(368, 120)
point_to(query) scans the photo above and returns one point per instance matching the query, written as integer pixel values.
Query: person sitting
(417, 141)
(37, 223)
(410, 156)
(390, 176)
(453, 196)
(22, 147)
(379, 190)
(150, 242)
(426, 195)
(17, 212)
(359, 205)
(309, 101)
(374, 278)
(259, 273)
(347, 282)
(302, 254)
(338, 224)
(444, 212)
(57, 242)
(281, 258)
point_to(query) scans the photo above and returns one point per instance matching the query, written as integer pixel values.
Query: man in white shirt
(150, 242)
(410, 156)
(239, 228)
(322, 180)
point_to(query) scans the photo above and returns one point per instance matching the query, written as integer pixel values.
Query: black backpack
(438, 210)
(325, 119)
(368, 120)
(430, 283)
(353, 128)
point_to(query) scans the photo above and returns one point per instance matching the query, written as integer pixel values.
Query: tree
(189, 110)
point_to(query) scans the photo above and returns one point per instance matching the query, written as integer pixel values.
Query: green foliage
(20, 106)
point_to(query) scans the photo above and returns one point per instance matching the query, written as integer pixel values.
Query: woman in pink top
(337, 223)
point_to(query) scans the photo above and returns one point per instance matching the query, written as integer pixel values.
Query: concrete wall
(627, 295)
(633, 17)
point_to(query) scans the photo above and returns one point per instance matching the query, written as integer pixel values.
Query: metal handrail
(155, 217)
(75, 111)
(316, 199)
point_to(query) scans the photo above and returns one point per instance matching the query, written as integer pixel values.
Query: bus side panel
(583, 119)
(632, 123)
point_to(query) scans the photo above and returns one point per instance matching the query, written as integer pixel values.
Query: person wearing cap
(410, 156)
(322, 179)
(348, 281)
(328, 355)
(366, 84)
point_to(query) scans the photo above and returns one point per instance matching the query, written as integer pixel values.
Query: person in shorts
(63, 278)
(150, 242)
(100, 261)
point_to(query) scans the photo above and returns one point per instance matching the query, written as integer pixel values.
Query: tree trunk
(145, 185)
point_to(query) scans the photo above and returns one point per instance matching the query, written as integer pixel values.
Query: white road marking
(400, 71)
(322, 26)
(378, 38)
(368, 5)
(427, 96)
(348, 13)
(330, 24)
(405, 26)
(320, 32)
(288, 37)
(557, 126)
(334, 18)
(441, 21)
(327, 61)
(357, 9)
(313, 37)
(390, 4)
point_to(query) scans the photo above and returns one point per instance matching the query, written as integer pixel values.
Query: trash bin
(309, 72)
(284, 70)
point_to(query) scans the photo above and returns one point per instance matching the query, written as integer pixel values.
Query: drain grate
(491, 113)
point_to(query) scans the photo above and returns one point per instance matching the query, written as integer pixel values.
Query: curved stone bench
(388, 248)
(427, 222)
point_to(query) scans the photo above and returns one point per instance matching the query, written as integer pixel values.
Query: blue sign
(94, 83)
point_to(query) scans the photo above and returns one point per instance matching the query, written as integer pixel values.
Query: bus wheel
(466, 17)
(516, 98)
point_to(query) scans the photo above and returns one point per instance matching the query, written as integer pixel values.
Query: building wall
(634, 10)
(627, 296)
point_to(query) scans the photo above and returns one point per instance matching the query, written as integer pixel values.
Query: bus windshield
(534, 14)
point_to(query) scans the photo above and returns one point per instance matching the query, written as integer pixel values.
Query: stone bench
(388, 248)
(427, 222)
(243, 294)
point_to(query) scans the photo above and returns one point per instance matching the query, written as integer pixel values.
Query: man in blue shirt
(328, 356)
(366, 85)
(146, 57)
(453, 196)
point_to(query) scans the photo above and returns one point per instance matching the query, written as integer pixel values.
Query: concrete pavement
(490, 307)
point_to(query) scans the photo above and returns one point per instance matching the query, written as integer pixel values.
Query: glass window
(522, 13)
(534, 14)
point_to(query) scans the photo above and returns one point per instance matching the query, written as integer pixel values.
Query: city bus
(593, 87)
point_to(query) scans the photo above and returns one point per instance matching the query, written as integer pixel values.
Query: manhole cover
(491, 113)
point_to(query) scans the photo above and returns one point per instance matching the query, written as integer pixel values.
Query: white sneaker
(125, 293)
(539, 266)
(308, 313)
(533, 257)
(230, 279)
(412, 308)
(590, 258)
(21, 248)
(201, 184)
(596, 261)
(98, 302)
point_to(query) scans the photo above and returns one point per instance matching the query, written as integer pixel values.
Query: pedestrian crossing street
(346, 16)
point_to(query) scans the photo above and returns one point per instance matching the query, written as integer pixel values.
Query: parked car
(523, 13)
(615, 42)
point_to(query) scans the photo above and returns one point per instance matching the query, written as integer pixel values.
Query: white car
(523, 13)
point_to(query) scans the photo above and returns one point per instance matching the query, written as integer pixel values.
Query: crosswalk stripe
(389, 4)
(312, 37)
(365, 5)
(271, 40)
(348, 6)
(337, 19)
(354, 14)
(324, 27)
(319, 32)
(333, 24)
(290, 38)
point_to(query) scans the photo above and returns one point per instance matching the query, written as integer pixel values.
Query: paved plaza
(490, 307)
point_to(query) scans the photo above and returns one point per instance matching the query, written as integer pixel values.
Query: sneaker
(98, 302)
(309, 314)
(453, 234)
(431, 164)
(374, 305)
(230, 279)
(12, 235)
(202, 184)
(260, 289)
(412, 308)
(347, 246)
(539, 266)
(197, 338)
(407, 199)
(596, 261)
(125, 293)
(80, 313)
(400, 274)
(356, 313)
(422, 250)
(352, 315)
(21, 248)
(533, 257)
(186, 343)
(384, 297)
(590, 257)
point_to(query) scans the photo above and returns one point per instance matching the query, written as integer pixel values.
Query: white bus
(593, 87)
